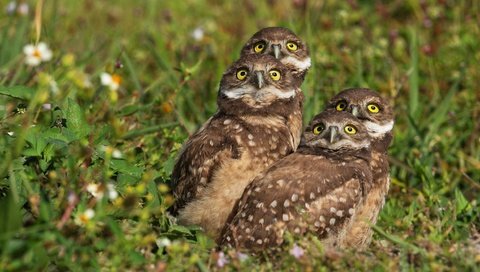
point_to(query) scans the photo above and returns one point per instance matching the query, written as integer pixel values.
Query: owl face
(374, 112)
(258, 80)
(281, 43)
(336, 130)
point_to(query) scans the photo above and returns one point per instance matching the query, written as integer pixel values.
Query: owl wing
(299, 193)
(199, 159)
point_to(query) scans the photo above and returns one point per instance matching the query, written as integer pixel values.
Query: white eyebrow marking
(300, 64)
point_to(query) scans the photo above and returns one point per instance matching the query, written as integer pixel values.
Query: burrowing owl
(315, 190)
(377, 116)
(259, 121)
(283, 44)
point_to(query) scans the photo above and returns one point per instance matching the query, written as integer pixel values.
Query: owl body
(258, 122)
(314, 190)
(379, 122)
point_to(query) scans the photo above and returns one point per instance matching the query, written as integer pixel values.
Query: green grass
(423, 56)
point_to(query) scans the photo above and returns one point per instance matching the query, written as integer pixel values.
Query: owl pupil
(274, 74)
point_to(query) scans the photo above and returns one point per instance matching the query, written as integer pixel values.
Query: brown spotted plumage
(377, 116)
(315, 190)
(258, 122)
(283, 44)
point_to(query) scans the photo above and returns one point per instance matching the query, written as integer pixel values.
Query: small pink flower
(222, 260)
(47, 106)
(296, 251)
(23, 9)
(242, 256)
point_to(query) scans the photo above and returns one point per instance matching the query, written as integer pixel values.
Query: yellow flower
(68, 60)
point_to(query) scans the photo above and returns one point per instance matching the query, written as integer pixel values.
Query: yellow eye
(292, 46)
(349, 129)
(275, 75)
(242, 74)
(342, 105)
(318, 129)
(373, 108)
(259, 47)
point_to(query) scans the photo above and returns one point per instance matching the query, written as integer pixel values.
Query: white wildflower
(163, 242)
(117, 154)
(111, 192)
(11, 7)
(35, 54)
(95, 190)
(198, 33)
(85, 217)
(111, 80)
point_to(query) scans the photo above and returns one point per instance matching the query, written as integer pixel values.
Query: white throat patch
(376, 130)
(278, 93)
(240, 92)
(237, 92)
(300, 64)
(340, 144)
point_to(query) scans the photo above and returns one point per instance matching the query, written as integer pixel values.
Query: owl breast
(359, 232)
(261, 141)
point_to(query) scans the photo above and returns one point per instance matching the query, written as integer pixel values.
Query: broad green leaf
(40, 257)
(10, 214)
(128, 110)
(169, 164)
(179, 229)
(461, 203)
(57, 136)
(36, 140)
(76, 121)
(152, 189)
(20, 92)
(123, 166)
(124, 180)
(15, 246)
(45, 210)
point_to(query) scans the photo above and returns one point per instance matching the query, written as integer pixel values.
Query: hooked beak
(333, 132)
(260, 81)
(355, 111)
(276, 51)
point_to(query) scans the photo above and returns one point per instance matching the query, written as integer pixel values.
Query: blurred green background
(84, 165)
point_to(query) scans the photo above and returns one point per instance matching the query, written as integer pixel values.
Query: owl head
(281, 43)
(256, 82)
(334, 130)
(369, 107)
